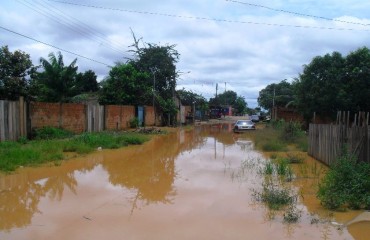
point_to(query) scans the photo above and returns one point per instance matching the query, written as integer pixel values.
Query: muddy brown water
(190, 184)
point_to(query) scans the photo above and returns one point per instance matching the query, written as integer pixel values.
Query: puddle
(186, 185)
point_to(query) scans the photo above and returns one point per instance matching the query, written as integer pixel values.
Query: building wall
(69, 116)
(117, 117)
(149, 116)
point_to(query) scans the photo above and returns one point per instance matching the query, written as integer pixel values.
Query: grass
(275, 196)
(36, 152)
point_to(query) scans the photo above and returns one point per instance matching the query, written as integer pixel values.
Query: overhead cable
(50, 45)
(296, 13)
(208, 19)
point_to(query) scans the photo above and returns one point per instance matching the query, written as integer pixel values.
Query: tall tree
(225, 98)
(356, 81)
(57, 81)
(15, 69)
(240, 105)
(126, 85)
(320, 88)
(160, 62)
(86, 82)
(279, 94)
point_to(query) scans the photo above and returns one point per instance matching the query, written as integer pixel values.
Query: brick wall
(149, 116)
(118, 117)
(288, 115)
(73, 116)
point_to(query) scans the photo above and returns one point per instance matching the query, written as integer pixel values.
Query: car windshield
(244, 122)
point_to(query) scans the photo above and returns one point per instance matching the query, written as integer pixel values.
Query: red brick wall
(47, 114)
(149, 116)
(118, 117)
(288, 115)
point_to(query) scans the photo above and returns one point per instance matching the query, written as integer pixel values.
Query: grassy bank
(280, 136)
(50, 145)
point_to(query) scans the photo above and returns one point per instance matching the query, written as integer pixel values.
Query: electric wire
(86, 27)
(208, 19)
(296, 13)
(53, 46)
(68, 25)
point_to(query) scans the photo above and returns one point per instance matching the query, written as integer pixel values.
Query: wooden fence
(327, 141)
(12, 120)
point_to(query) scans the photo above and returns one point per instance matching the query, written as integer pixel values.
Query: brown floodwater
(190, 184)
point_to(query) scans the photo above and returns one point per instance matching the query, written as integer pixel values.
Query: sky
(241, 46)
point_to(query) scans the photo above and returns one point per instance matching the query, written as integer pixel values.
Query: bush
(46, 133)
(134, 122)
(291, 131)
(346, 184)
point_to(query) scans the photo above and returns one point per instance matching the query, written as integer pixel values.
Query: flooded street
(190, 184)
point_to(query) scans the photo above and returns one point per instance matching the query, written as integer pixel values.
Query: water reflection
(188, 184)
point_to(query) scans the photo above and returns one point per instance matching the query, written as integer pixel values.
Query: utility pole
(225, 86)
(216, 89)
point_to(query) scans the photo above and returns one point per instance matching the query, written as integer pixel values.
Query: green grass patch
(45, 133)
(35, 152)
(275, 196)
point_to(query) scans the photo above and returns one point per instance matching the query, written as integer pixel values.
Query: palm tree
(57, 82)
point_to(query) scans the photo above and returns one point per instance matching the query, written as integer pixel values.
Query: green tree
(225, 98)
(126, 85)
(86, 82)
(15, 68)
(320, 88)
(160, 62)
(240, 105)
(356, 80)
(279, 94)
(57, 82)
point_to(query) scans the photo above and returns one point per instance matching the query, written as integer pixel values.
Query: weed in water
(273, 156)
(292, 214)
(295, 158)
(275, 196)
(269, 168)
(282, 166)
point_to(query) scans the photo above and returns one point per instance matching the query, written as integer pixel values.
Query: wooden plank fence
(12, 120)
(327, 141)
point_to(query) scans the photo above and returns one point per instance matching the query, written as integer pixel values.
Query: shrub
(46, 133)
(346, 184)
(275, 196)
(291, 131)
(134, 122)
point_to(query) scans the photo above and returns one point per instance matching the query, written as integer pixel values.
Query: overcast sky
(240, 45)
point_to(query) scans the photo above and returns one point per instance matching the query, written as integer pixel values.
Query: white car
(243, 125)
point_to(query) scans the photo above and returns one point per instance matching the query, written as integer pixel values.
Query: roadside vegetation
(280, 136)
(346, 185)
(51, 144)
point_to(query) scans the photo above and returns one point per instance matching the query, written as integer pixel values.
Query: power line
(72, 26)
(208, 19)
(296, 13)
(50, 45)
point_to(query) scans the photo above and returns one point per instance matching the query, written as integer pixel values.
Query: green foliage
(268, 168)
(14, 154)
(57, 82)
(134, 122)
(334, 82)
(45, 133)
(15, 67)
(291, 131)
(126, 85)
(346, 184)
(275, 196)
(86, 82)
(280, 94)
(273, 146)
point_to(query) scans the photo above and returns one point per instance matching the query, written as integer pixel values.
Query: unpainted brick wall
(73, 116)
(149, 116)
(118, 117)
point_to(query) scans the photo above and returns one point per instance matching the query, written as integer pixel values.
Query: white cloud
(248, 51)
